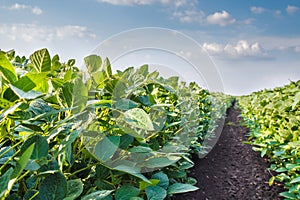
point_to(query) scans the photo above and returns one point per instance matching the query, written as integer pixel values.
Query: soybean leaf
(10, 110)
(155, 193)
(5, 154)
(132, 171)
(25, 84)
(75, 188)
(5, 103)
(144, 184)
(30, 194)
(22, 162)
(138, 118)
(181, 188)
(41, 60)
(125, 192)
(53, 187)
(4, 179)
(107, 147)
(6, 69)
(93, 63)
(26, 95)
(41, 147)
(107, 67)
(295, 180)
(125, 141)
(163, 179)
(288, 195)
(125, 104)
(97, 195)
(158, 162)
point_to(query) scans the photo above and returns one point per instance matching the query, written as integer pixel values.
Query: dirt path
(232, 170)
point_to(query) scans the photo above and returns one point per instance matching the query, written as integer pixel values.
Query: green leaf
(155, 193)
(25, 84)
(125, 192)
(93, 63)
(125, 104)
(296, 100)
(75, 94)
(30, 194)
(288, 195)
(80, 95)
(41, 147)
(295, 180)
(6, 69)
(107, 147)
(5, 154)
(125, 141)
(25, 95)
(132, 171)
(107, 67)
(181, 188)
(53, 187)
(97, 195)
(138, 118)
(40, 79)
(75, 188)
(159, 162)
(144, 184)
(10, 110)
(22, 162)
(41, 60)
(271, 180)
(140, 149)
(4, 179)
(163, 179)
(5, 103)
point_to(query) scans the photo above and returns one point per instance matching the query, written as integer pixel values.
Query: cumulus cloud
(220, 18)
(33, 9)
(189, 16)
(34, 32)
(241, 49)
(291, 9)
(257, 10)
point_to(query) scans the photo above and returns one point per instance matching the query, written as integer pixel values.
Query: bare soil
(232, 170)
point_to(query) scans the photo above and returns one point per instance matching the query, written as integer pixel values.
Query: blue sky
(254, 44)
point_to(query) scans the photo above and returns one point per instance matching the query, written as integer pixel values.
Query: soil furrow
(232, 170)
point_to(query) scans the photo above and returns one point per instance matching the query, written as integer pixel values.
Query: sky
(233, 46)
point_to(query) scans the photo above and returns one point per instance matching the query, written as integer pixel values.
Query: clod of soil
(232, 170)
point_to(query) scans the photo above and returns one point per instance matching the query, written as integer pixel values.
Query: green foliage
(65, 134)
(273, 118)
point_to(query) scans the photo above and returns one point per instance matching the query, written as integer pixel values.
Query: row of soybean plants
(66, 133)
(273, 117)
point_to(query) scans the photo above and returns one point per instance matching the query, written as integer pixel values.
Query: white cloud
(277, 12)
(34, 32)
(34, 9)
(257, 10)
(291, 9)
(241, 49)
(213, 48)
(189, 16)
(175, 3)
(297, 49)
(220, 18)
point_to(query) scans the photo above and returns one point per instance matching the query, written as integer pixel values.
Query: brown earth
(232, 170)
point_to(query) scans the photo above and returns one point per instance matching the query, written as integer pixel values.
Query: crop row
(273, 117)
(67, 133)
